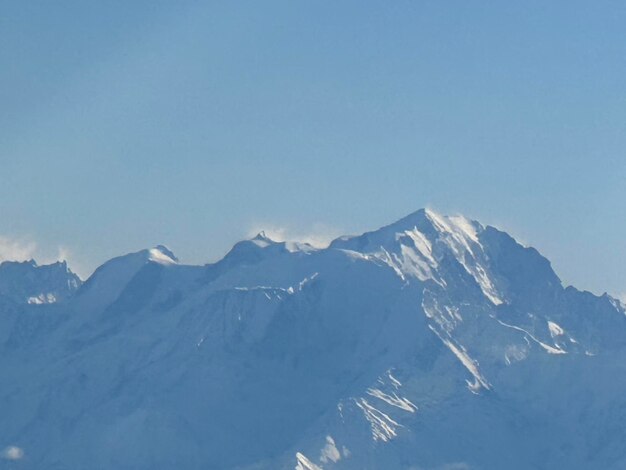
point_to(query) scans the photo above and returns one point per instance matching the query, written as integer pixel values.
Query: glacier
(432, 343)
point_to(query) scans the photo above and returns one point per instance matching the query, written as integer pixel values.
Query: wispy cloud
(12, 249)
(318, 235)
(24, 249)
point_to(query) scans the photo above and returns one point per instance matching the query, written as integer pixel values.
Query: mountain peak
(262, 240)
(110, 279)
(28, 282)
(162, 254)
(415, 217)
(419, 244)
(427, 220)
(261, 236)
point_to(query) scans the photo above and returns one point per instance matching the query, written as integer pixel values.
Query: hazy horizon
(127, 125)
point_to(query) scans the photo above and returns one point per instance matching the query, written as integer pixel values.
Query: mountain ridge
(434, 341)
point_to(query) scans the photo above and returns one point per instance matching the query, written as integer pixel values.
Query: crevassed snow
(467, 361)
(414, 248)
(383, 427)
(465, 226)
(395, 382)
(303, 463)
(423, 245)
(547, 347)
(461, 237)
(393, 400)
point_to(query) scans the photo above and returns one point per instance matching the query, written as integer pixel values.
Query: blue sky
(193, 124)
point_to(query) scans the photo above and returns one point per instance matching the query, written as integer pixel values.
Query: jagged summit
(29, 262)
(262, 247)
(423, 218)
(262, 236)
(262, 240)
(28, 282)
(423, 221)
(424, 244)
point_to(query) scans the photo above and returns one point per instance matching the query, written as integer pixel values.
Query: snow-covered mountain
(26, 282)
(431, 343)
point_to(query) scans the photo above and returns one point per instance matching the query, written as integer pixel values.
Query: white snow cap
(162, 254)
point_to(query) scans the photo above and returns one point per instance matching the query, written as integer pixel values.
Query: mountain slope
(430, 343)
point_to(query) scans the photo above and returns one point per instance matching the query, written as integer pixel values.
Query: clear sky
(124, 124)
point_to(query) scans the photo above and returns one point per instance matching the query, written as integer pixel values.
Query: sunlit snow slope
(431, 343)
